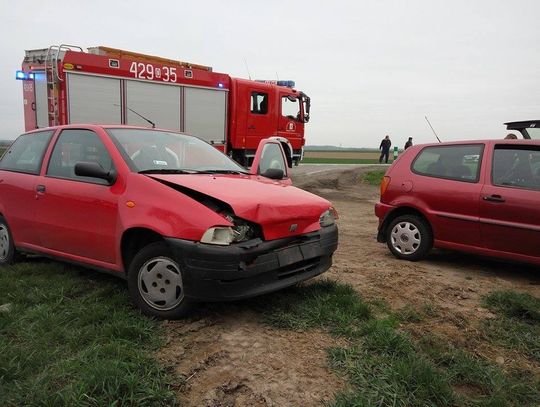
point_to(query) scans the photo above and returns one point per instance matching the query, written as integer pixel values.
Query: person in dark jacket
(408, 143)
(385, 149)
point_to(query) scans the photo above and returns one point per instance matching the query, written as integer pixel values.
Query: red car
(177, 218)
(475, 196)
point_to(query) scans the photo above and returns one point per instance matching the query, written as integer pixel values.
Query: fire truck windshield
(167, 152)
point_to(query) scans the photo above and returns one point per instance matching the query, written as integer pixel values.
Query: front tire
(409, 237)
(155, 283)
(8, 253)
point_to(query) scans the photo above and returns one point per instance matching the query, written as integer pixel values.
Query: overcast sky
(371, 67)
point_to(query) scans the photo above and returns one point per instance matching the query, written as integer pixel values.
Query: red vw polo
(479, 196)
(177, 218)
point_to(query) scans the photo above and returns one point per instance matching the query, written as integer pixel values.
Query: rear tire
(155, 283)
(409, 237)
(8, 254)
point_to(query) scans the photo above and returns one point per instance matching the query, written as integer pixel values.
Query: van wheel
(8, 255)
(155, 283)
(409, 237)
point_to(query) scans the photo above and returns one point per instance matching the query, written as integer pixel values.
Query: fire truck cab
(66, 85)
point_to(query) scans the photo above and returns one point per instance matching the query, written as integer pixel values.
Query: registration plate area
(295, 254)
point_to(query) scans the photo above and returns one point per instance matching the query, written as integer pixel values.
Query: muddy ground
(230, 357)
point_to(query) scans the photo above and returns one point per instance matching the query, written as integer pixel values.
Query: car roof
(481, 141)
(99, 126)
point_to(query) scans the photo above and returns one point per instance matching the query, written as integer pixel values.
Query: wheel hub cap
(4, 242)
(160, 283)
(405, 238)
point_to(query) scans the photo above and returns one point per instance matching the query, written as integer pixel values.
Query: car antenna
(140, 115)
(247, 68)
(438, 139)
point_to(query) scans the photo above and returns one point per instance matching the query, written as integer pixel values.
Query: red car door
(510, 209)
(447, 188)
(19, 170)
(78, 216)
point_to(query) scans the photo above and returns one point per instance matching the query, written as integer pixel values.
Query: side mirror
(273, 173)
(94, 170)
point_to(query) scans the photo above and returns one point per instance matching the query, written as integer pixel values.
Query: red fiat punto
(173, 215)
(475, 196)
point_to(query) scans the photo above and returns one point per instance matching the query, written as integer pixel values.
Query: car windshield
(166, 152)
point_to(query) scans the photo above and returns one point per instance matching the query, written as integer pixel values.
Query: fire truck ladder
(54, 55)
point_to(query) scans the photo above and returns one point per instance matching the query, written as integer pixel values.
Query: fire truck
(64, 84)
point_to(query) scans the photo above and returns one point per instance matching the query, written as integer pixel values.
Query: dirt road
(229, 357)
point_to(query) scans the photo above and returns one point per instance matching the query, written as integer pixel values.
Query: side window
(290, 108)
(516, 166)
(457, 162)
(26, 153)
(75, 146)
(272, 157)
(259, 103)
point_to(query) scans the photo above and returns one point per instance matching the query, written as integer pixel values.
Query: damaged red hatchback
(173, 215)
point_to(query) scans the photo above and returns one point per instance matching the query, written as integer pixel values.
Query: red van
(176, 217)
(475, 196)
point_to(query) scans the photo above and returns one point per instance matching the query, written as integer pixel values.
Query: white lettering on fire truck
(148, 71)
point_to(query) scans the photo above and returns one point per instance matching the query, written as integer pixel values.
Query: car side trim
(515, 225)
(466, 218)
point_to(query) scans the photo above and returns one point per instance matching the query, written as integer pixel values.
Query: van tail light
(384, 185)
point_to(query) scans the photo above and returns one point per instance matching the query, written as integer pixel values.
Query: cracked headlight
(328, 217)
(225, 235)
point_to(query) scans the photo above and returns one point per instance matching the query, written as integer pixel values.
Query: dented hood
(281, 210)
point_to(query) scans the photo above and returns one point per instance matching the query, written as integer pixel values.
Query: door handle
(251, 127)
(494, 198)
(40, 189)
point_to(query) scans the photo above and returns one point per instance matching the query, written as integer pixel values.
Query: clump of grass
(518, 324)
(480, 382)
(409, 314)
(71, 338)
(373, 177)
(515, 305)
(326, 305)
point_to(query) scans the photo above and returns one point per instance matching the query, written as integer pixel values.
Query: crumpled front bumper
(242, 270)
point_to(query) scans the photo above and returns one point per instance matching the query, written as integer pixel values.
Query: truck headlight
(328, 217)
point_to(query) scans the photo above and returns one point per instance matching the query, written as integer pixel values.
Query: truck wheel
(155, 283)
(8, 255)
(409, 237)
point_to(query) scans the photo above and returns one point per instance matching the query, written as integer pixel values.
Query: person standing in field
(385, 149)
(408, 143)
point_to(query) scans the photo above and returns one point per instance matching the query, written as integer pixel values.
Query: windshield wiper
(168, 171)
(222, 172)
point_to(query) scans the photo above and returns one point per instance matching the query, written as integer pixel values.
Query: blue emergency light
(24, 76)
(288, 84)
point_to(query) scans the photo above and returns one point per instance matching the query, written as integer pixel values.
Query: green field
(323, 160)
(2, 149)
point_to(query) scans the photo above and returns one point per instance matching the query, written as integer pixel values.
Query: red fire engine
(64, 84)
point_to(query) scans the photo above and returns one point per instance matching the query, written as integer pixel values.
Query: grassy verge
(385, 367)
(373, 177)
(70, 337)
(517, 325)
(2, 150)
(322, 160)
